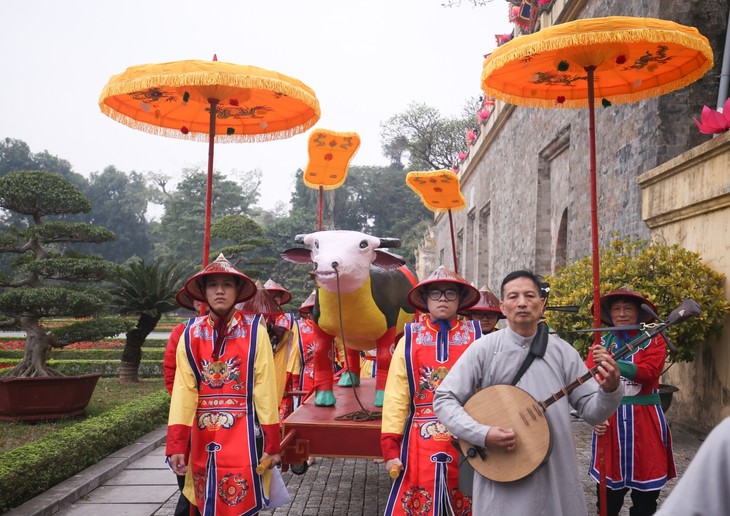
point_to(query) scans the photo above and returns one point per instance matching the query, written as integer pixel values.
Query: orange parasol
(439, 190)
(330, 154)
(210, 100)
(621, 59)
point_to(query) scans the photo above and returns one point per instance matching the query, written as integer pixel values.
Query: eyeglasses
(450, 294)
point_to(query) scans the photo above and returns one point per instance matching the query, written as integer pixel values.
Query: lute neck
(628, 348)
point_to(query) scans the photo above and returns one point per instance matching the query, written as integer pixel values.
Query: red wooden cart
(312, 431)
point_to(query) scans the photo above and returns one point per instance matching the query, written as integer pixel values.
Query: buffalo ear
(389, 242)
(297, 255)
(388, 260)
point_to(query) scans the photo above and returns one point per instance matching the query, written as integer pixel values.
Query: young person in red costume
(486, 311)
(413, 440)
(638, 448)
(224, 394)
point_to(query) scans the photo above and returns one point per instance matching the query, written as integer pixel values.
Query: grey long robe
(704, 489)
(554, 488)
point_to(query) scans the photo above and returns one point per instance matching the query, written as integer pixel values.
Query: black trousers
(183, 505)
(643, 503)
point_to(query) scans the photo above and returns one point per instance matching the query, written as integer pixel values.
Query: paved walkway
(136, 482)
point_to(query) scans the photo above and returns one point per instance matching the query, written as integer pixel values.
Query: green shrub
(154, 343)
(107, 368)
(36, 467)
(664, 274)
(87, 354)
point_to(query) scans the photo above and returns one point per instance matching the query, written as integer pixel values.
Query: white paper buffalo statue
(361, 289)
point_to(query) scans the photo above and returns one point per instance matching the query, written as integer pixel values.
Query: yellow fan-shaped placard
(439, 189)
(329, 157)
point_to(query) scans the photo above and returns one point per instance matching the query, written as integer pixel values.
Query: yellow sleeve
(294, 363)
(265, 396)
(184, 401)
(397, 394)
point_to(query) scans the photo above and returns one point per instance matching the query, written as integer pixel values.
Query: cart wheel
(299, 469)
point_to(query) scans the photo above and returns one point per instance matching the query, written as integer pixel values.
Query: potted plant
(46, 279)
(664, 274)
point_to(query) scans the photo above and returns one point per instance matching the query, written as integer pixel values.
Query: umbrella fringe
(607, 30)
(628, 98)
(203, 137)
(289, 87)
(527, 46)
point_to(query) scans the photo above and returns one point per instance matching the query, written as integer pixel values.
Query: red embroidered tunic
(638, 449)
(306, 348)
(288, 363)
(411, 430)
(213, 407)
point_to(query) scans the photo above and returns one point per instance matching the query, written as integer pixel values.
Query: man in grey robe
(555, 487)
(704, 489)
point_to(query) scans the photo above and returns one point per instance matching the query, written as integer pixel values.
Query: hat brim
(260, 303)
(469, 294)
(285, 294)
(607, 299)
(184, 300)
(468, 312)
(246, 286)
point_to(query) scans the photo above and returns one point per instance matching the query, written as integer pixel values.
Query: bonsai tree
(46, 279)
(241, 237)
(664, 274)
(146, 290)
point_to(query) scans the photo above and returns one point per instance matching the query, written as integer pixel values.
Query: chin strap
(219, 328)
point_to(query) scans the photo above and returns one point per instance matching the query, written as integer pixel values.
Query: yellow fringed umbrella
(630, 59)
(330, 153)
(440, 191)
(213, 101)
(621, 59)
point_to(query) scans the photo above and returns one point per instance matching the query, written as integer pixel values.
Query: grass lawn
(109, 393)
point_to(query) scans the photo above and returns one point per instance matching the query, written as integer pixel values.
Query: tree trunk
(132, 354)
(128, 372)
(36, 350)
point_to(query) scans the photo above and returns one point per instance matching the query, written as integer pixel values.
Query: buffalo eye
(363, 244)
(316, 244)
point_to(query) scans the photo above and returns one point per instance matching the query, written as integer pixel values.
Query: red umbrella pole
(602, 501)
(209, 185)
(594, 208)
(320, 202)
(453, 242)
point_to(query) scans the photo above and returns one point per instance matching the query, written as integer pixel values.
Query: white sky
(365, 61)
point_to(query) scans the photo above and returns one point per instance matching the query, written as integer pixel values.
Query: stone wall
(686, 201)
